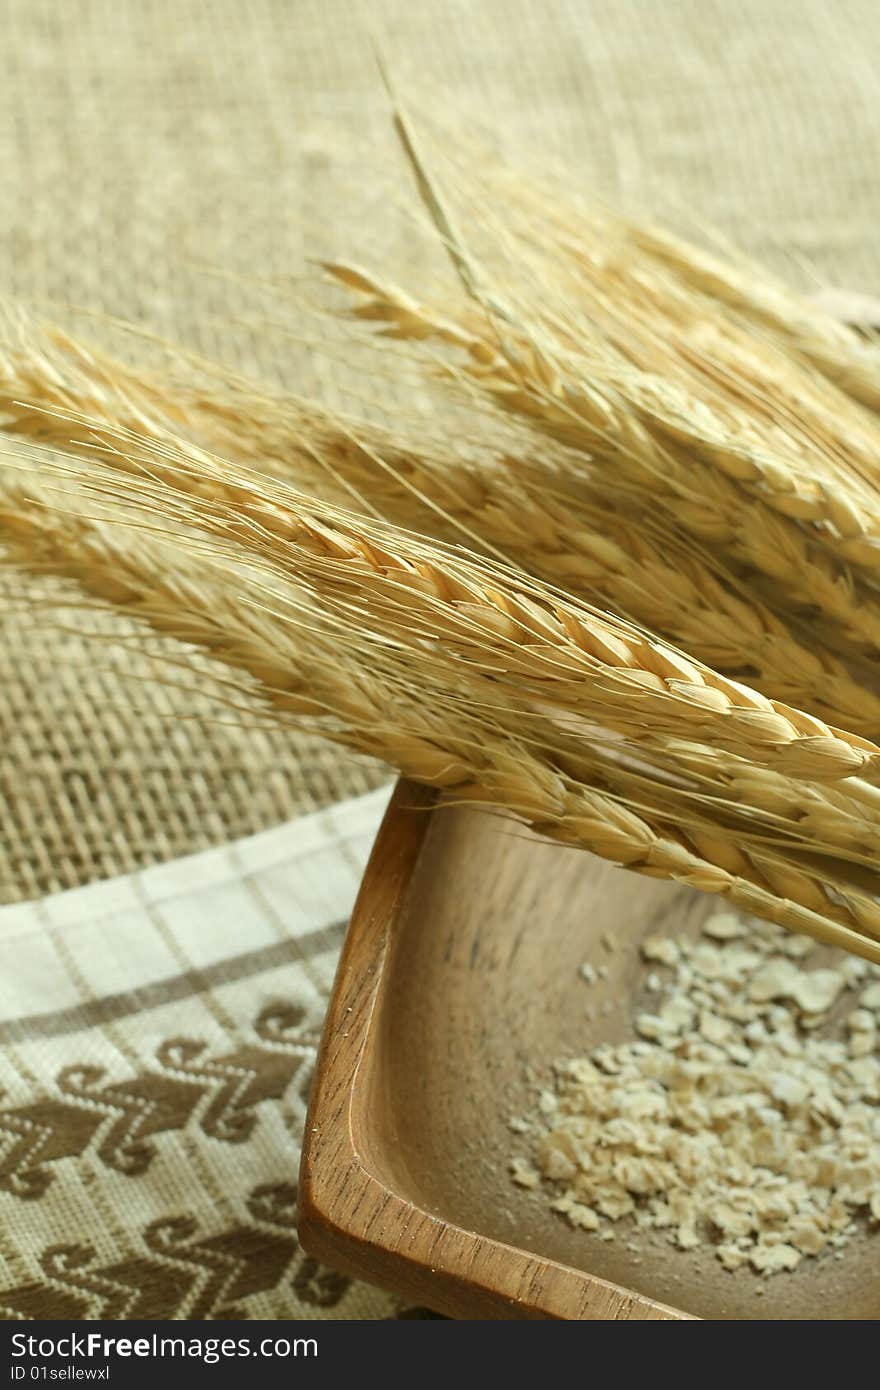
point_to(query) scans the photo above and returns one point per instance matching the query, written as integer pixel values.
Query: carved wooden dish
(460, 970)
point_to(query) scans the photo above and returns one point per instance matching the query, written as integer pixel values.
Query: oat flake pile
(745, 1116)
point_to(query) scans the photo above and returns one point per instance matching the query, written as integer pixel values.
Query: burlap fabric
(140, 140)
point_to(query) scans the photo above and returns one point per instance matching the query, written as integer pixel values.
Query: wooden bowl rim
(348, 1216)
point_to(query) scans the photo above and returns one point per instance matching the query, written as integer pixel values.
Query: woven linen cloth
(145, 140)
(157, 1036)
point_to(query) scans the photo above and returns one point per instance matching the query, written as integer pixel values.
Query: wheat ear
(847, 359)
(303, 667)
(780, 459)
(549, 210)
(524, 380)
(591, 276)
(61, 392)
(524, 638)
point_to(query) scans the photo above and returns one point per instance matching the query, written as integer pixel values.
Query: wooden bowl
(459, 974)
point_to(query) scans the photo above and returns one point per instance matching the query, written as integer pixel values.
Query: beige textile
(148, 1149)
(142, 140)
(157, 1036)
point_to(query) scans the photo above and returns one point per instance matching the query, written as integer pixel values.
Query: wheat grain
(682, 361)
(59, 391)
(307, 667)
(667, 305)
(525, 639)
(525, 381)
(848, 360)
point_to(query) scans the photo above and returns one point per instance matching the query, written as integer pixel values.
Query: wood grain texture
(457, 989)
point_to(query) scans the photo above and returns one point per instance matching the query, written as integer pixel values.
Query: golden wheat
(526, 640)
(524, 380)
(309, 665)
(746, 404)
(843, 356)
(723, 325)
(484, 676)
(59, 391)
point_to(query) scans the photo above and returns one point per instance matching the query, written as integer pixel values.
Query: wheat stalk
(60, 392)
(728, 330)
(682, 363)
(845, 358)
(521, 636)
(308, 666)
(841, 816)
(482, 679)
(289, 427)
(526, 381)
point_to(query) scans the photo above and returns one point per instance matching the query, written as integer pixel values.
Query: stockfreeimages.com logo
(95, 1346)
